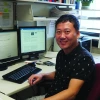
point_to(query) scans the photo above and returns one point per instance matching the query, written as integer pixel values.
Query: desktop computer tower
(86, 43)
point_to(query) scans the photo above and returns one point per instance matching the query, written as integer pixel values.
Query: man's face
(66, 35)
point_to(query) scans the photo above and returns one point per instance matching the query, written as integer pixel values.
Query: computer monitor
(9, 51)
(32, 41)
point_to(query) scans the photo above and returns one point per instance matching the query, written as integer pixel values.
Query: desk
(4, 97)
(10, 88)
(96, 57)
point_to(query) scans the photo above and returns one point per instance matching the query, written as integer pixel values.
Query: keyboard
(22, 74)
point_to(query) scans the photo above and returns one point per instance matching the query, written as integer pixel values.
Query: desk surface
(10, 88)
(4, 97)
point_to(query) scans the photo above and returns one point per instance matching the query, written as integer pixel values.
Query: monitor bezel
(9, 61)
(32, 52)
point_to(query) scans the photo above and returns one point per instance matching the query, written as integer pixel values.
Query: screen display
(32, 39)
(9, 51)
(8, 44)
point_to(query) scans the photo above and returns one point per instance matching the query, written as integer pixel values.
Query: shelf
(87, 9)
(44, 18)
(94, 18)
(91, 30)
(46, 2)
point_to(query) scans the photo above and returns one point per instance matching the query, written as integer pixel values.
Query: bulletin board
(6, 15)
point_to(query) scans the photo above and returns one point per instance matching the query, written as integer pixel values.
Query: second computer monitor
(9, 50)
(32, 40)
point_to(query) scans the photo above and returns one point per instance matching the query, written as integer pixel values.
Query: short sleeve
(83, 68)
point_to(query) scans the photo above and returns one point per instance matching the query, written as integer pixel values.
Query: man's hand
(35, 78)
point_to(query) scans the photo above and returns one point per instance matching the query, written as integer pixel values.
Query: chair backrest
(95, 92)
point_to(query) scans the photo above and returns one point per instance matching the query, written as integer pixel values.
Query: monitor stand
(30, 56)
(33, 56)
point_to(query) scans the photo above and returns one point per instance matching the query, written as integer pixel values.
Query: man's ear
(78, 34)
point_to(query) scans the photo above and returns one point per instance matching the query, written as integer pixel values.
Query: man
(75, 67)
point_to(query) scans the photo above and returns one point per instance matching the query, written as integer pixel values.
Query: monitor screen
(32, 40)
(8, 48)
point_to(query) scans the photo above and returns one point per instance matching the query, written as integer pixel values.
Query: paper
(6, 15)
(50, 29)
(51, 54)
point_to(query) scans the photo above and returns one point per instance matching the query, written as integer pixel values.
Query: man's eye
(58, 32)
(67, 32)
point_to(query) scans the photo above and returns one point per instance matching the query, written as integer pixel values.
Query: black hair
(71, 18)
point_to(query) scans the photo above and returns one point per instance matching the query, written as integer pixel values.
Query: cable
(2, 93)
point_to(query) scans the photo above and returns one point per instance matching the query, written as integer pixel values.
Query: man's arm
(70, 93)
(35, 78)
(49, 75)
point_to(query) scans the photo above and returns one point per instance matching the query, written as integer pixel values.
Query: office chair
(95, 92)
